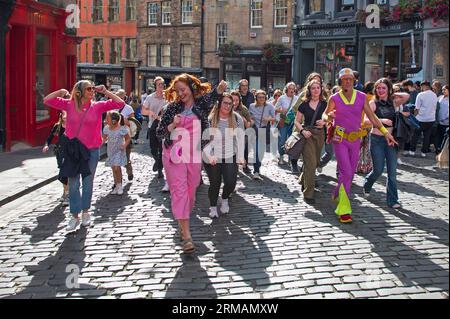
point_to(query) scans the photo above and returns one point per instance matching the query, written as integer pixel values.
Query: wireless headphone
(192, 84)
(78, 89)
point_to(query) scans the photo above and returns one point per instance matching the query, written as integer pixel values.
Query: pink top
(91, 131)
(349, 113)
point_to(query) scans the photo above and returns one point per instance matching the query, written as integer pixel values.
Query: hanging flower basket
(435, 9)
(272, 52)
(229, 49)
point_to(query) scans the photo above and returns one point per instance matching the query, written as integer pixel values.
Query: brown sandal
(188, 246)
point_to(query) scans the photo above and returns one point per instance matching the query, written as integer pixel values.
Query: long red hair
(198, 89)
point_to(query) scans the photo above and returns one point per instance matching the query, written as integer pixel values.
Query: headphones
(78, 90)
(192, 84)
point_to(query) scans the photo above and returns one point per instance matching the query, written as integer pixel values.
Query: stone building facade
(168, 40)
(250, 25)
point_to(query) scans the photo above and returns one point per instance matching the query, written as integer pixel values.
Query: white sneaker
(411, 153)
(213, 212)
(73, 224)
(85, 219)
(396, 206)
(423, 155)
(224, 208)
(280, 161)
(256, 176)
(366, 195)
(399, 161)
(165, 188)
(119, 189)
(114, 191)
(405, 153)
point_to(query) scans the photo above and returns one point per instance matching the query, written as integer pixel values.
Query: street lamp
(413, 64)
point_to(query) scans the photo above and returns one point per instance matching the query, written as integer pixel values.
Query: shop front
(435, 48)
(325, 49)
(146, 76)
(261, 73)
(40, 58)
(110, 75)
(391, 52)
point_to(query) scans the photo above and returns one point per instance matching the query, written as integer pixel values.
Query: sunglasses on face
(90, 88)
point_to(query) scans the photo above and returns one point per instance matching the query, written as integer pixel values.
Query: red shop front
(40, 58)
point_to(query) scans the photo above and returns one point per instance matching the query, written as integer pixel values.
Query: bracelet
(301, 131)
(383, 130)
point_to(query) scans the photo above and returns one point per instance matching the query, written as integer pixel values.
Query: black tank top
(385, 110)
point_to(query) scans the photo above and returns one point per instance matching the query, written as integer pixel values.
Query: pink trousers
(347, 157)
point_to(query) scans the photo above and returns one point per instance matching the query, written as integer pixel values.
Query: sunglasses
(90, 88)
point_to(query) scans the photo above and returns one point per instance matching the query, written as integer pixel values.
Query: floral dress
(116, 156)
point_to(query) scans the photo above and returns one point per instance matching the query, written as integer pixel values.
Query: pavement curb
(34, 187)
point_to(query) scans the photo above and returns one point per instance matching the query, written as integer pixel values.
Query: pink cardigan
(91, 130)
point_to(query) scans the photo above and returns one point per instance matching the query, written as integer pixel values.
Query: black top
(56, 131)
(248, 99)
(385, 110)
(308, 112)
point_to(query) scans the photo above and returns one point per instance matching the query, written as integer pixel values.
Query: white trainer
(423, 155)
(85, 219)
(256, 176)
(213, 212)
(74, 223)
(224, 207)
(119, 189)
(405, 153)
(399, 161)
(165, 188)
(411, 153)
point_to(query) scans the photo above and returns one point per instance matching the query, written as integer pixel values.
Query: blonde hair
(214, 115)
(77, 93)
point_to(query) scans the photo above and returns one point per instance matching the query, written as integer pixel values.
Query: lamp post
(413, 64)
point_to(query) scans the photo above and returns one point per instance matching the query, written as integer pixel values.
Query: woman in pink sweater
(84, 122)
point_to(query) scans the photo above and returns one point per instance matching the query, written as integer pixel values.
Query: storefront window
(325, 61)
(233, 79)
(43, 58)
(439, 56)
(373, 66)
(407, 57)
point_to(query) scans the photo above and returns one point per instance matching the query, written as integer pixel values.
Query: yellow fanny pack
(352, 136)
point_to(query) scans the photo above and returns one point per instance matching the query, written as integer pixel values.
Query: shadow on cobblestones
(154, 193)
(51, 276)
(411, 188)
(440, 174)
(410, 266)
(47, 224)
(191, 280)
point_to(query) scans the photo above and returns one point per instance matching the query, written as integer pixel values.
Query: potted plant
(272, 52)
(229, 49)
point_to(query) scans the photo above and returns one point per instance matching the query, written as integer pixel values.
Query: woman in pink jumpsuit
(181, 127)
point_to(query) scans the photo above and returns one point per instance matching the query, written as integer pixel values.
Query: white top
(154, 104)
(284, 101)
(127, 111)
(426, 104)
(443, 110)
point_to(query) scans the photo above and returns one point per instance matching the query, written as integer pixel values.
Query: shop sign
(100, 71)
(398, 27)
(326, 33)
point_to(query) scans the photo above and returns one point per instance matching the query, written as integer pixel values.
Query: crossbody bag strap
(315, 114)
(262, 115)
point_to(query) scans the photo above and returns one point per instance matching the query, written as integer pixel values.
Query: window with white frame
(166, 13)
(186, 11)
(221, 34)
(131, 10)
(165, 55)
(152, 13)
(256, 13)
(152, 54)
(186, 55)
(280, 13)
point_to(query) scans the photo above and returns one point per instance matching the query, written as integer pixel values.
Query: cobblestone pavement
(271, 244)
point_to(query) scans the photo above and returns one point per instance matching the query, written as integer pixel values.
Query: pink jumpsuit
(348, 116)
(183, 168)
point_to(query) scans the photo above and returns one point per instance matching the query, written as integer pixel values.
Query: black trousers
(227, 171)
(427, 129)
(155, 146)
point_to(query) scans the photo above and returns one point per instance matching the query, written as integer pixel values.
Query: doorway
(391, 62)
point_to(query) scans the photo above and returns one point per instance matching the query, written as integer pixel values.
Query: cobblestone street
(271, 244)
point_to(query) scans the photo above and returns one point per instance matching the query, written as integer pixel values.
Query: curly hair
(197, 88)
(307, 91)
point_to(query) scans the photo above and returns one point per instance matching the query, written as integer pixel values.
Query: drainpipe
(202, 36)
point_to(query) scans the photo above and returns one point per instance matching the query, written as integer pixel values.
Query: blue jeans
(282, 137)
(380, 152)
(79, 202)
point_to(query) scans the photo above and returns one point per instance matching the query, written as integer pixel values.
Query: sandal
(188, 246)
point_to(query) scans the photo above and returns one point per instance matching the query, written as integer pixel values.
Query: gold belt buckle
(353, 136)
